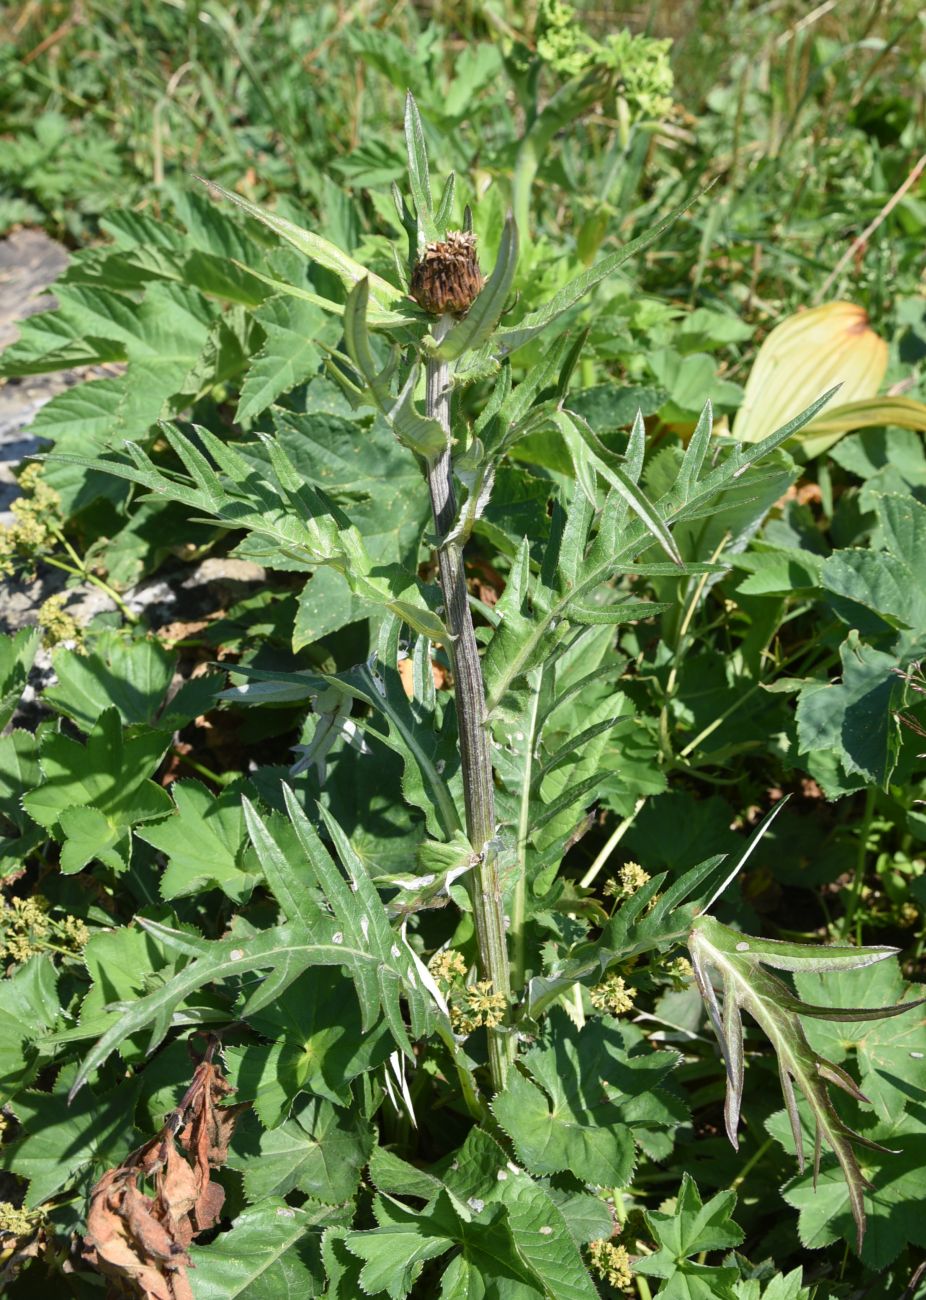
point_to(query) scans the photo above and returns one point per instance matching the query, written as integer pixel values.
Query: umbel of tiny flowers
(631, 877)
(612, 995)
(611, 1263)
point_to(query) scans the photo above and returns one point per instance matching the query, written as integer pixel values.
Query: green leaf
(421, 434)
(785, 1286)
(881, 582)
(315, 248)
(319, 1150)
(412, 731)
(86, 413)
(341, 1267)
(291, 886)
(583, 444)
(648, 920)
(481, 1171)
(61, 1138)
(123, 965)
(890, 1053)
(28, 1005)
(360, 464)
(509, 339)
(779, 572)
(160, 338)
(317, 1045)
(98, 791)
(88, 836)
(271, 1250)
(690, 1229)
(389, 972)
(747, 986)
(586, 549)
(285, 951)
(19, 773)
(852, 719)
(892, 1205)
(131, 676)
(356, 933)
(326, 604)
(561, 1118)
(886, 583)
(206, 843)
(16, 657)
(489, 1262)
(289, 355)
(419, 178)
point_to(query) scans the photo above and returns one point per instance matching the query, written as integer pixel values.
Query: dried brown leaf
(141, 1241)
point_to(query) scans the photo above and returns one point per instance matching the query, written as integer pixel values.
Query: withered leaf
(139, 1240)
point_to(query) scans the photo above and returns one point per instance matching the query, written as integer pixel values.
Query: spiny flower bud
(447, 278)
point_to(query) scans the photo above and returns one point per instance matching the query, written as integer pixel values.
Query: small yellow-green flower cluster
(908, 915)
(447, 966)
(612, 995)
(611, 1262)
(644, 71)
(561, 42)
(16, 1220)
(680, 971)
(36, 512)
(56, 623)
(640, 64)
(471, 1005)
(477, 1005)
(630, 878)
(27, 928)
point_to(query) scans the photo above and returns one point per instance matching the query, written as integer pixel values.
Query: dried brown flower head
(447, 278)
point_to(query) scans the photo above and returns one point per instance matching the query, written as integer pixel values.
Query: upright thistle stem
(475, 753)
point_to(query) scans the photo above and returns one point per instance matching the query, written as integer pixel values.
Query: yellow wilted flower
(805, 355)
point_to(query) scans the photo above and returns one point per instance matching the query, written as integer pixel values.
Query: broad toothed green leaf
(94, 794)
(692, 1228)
(562, 1117)
(270, 1250)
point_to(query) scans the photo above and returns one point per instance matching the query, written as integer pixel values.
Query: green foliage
(550, 1117)
(92, 796)
(691, 1228)
(248, 842)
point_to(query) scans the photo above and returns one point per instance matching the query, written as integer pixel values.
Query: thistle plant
(502, 775)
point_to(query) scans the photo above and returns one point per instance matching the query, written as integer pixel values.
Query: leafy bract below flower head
(447, 278)
(740, 960)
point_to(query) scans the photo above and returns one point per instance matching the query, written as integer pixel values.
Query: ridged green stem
(475, 752)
